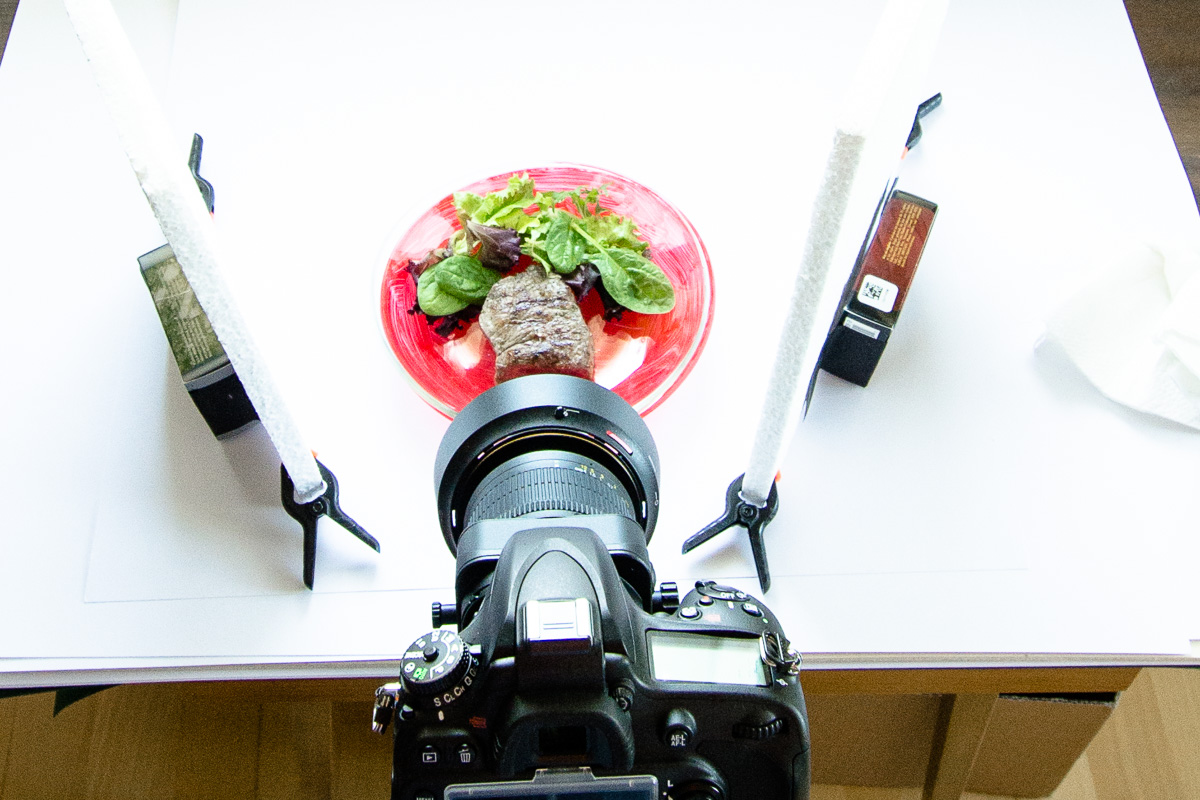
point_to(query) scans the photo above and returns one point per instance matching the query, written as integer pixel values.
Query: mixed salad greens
(568, 234)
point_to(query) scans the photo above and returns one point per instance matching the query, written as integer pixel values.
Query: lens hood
(546, 414)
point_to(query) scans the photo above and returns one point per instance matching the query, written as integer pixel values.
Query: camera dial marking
(437, 669)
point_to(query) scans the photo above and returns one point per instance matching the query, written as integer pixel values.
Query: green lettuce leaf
(501, 209)
(559, 230)
(612, 230)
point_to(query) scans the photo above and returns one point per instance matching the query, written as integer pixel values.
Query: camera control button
(679, 729)
(759, 729)
(752, 609)
(689, 612)
(719, 592)
(466, 755)
(679, 739)
(437, 669)
(430, 757)
(705, 600)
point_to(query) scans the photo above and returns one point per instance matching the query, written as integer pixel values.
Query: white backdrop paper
(326, 126)
(970, 469)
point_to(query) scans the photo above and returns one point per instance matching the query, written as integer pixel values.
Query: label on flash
(888, 266)
(878, 293)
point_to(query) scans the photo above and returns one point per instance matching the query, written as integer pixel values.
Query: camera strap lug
(387, 702)
(740, 513)
(307, 514)
(779, 654)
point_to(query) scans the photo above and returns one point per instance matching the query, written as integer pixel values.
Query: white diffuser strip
(872, 123)
(185, 222)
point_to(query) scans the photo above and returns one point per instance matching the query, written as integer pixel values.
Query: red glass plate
(641, 357)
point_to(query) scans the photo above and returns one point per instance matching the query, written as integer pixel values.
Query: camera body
(570, 673)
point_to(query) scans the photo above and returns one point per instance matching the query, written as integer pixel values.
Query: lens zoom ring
(530, 489)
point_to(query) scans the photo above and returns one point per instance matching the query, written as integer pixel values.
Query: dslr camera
(561, 670)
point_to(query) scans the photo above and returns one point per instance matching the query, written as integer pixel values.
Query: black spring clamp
(307, 514)
(754, 519)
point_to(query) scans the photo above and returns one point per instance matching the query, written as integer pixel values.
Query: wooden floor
(1169, 34)
(7, 9)
(131, 743)
(1149, 749)
(175, 743)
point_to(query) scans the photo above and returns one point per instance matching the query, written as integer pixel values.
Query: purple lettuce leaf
(582, 279)
(499, 248)
(612, 308)
(415, 268)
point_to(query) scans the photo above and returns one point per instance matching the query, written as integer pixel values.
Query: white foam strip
(872, 120)
(790, 373)
(185, 222)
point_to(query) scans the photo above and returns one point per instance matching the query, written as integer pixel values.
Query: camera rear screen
(698, 658)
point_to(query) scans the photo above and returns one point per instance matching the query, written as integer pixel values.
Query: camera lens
(545, 446)
(548, 483)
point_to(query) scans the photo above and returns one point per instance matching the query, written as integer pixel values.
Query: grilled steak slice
(535, 326)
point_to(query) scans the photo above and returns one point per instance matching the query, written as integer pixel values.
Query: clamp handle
(206, 188)
(307, 514)
(753, 518)
(914, 134)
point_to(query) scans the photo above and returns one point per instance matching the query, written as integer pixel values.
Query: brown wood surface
(1027, 680)
(965, 719)
(169, 741)
(1149, 749)
(7, 9)
(1168, 32)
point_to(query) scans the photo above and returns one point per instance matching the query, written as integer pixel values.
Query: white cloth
(1134, 330)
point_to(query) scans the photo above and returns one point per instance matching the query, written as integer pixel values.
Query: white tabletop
(978, 503)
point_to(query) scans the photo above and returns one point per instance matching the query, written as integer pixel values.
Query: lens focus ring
(544, 482)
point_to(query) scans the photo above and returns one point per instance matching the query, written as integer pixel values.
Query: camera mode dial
(437, 669)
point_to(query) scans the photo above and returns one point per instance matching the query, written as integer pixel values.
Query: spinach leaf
(451, 285)
(565, 246)
(635, 281)
(464, 277)
(435, 301)
(415, 268)
(566, 232)
(630, 278)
